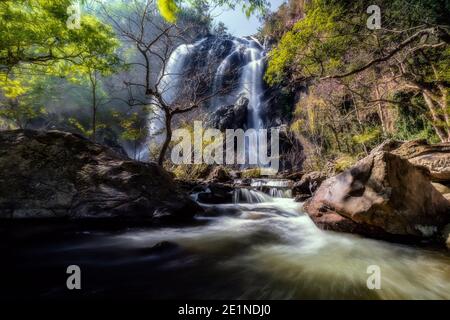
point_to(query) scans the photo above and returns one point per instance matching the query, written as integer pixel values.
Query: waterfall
(171, 81)
(252, 82)
(239, 65)
(239, 69)
(251, 54)
(276, 188)
(244, 195)
(175, 70)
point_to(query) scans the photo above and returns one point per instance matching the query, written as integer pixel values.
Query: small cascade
(280, 193)
(276, 188)
(244, 195)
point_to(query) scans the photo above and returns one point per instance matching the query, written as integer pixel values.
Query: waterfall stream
(265, 250)
(243, 58)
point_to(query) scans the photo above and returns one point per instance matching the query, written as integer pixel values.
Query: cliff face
(56, 174)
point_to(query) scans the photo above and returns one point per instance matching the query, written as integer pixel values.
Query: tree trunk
(438, 121)
(380, 110)
(93, 79)
(165, 146)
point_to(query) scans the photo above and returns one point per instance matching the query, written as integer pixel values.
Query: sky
(237, 22)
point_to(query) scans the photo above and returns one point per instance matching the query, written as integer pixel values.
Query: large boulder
(435, 157)
(57, 174)
(381, 195)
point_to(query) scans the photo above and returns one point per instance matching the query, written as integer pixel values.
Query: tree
(155, 40)
(410, 52)
(36, 43)
(35, 31)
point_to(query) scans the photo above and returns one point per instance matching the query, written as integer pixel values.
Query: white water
(250, 83)
(272, 250)
(244, 195)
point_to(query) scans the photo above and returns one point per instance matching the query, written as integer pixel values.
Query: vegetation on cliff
(364, 85)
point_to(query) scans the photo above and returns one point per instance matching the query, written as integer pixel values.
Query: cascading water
(276, 188)
(239, 65)
(244, 195)
(171, 80)
(251, 54)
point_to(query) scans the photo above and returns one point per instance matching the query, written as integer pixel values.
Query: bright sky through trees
(238, 23)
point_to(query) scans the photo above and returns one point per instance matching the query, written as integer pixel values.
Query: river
(268, 250)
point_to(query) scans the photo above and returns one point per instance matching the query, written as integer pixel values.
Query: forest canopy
(364, 84)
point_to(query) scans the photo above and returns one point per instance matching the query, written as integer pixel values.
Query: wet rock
(229, 117)
(446, 235)
(380, 195)
(216, 193)
(161, 247)
(308, 184)
(441, 188)
(302, 197)
(54, 174)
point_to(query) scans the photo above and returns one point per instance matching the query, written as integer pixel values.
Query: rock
(441, 188)
(219, 174)
(302, 197)
(108, 138)
(380, 195)
(291, 151)
(242, 182)
(162, 247)
(229, 117)
(216, 193)
(446, 235)
(435, 157)
(50, 174)
(388, 145)
(308, 185)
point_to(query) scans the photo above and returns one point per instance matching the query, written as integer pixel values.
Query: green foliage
(191, 172)
(314, 46)
(412, 122)
(20, 114)
(168, 9)
(134, 129)
(37, 47)
(35, 31)
(76, 124)
(344, 162)
(369, 136)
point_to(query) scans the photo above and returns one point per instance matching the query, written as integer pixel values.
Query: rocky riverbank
(399, 190)
(54, 174)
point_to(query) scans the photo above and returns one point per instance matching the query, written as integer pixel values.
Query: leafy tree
(37, 44)
(410, 52)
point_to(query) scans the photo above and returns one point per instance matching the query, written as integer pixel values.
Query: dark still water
(267, 250)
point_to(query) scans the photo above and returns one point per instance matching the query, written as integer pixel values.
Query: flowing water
(242, 61)
(261, 250)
